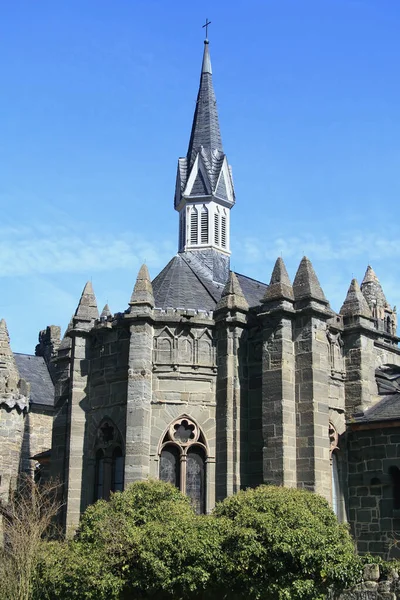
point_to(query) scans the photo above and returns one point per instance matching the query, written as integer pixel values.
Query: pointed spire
(106, 312)
(143, 290)
(355, 304)
(206, 66)
(205, 129)
(87, 308)
(232, 295)
(372, 289)
(279, 286)
(306, 284)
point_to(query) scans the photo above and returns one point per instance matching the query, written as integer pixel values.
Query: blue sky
(96, 107)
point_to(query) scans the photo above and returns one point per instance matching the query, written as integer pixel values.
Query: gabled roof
(34, 370)
(184, 283)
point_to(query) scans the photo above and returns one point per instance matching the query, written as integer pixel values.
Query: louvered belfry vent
(194, 224)
(223, 231)
(204, 225)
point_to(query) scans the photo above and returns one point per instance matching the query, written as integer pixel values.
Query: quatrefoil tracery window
(183, 460)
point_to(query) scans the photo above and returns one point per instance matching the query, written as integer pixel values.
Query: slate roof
(182, 284)
(388, 408)
(205, 129)
(34, 370)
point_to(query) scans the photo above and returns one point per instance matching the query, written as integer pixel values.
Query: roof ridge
(200, 279)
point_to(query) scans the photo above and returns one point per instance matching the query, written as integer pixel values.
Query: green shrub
(286, 544)
(270, 543)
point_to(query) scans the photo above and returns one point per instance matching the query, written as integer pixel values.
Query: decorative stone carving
(335, 349)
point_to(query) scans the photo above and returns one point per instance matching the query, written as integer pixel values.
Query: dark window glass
(395, 473)
(117, 483)
(170, 466)
(195, 478)
(99, 487)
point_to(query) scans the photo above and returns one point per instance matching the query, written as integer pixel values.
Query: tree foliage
(146, 542)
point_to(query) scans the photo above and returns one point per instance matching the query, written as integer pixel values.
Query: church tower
(204, 193)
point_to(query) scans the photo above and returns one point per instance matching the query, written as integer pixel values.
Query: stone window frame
(198, 440)
(107, 449)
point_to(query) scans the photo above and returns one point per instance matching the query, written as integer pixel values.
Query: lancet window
(183, 458)
(109, 461)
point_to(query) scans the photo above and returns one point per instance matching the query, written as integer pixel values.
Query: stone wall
(38, 425)
(374, 519)
(12, 422)
(375, 586)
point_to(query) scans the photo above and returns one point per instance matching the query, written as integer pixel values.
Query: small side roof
(34, 370)
(388, 408)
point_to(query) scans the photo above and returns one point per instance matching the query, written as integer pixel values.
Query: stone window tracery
(183, 458)
(109, 461)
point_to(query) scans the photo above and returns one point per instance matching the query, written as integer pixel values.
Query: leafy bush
(270, 543)
(286, 544)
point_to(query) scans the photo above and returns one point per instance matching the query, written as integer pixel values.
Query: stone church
(213, 381)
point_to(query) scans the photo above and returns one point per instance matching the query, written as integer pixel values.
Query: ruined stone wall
(374, 519)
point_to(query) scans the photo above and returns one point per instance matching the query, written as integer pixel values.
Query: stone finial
(87, 308)
(279, 287)
(372, 290)
(232, 295)
(14, 391)
(106, 312)
(355, 304)
(143, 290)
(306, 284)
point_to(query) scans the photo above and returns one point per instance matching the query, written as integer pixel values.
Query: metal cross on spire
(206, 24)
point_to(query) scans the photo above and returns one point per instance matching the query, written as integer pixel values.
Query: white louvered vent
(204, 225)
(194, 224)
(223, 231)
(216, 229)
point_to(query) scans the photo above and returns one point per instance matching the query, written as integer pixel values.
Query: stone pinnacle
(232, 295)
(143, 290)
(306, 284)
(87, 308)
(355, 304)
(279, 287)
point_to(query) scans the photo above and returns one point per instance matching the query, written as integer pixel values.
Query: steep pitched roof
(34, 370)
(205, 129)
(184, 283)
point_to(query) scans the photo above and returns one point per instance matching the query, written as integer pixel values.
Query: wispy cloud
(371, 246)
(43, 249)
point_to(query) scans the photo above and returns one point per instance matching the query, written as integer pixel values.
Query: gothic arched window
(183, 459)
(109, 461)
